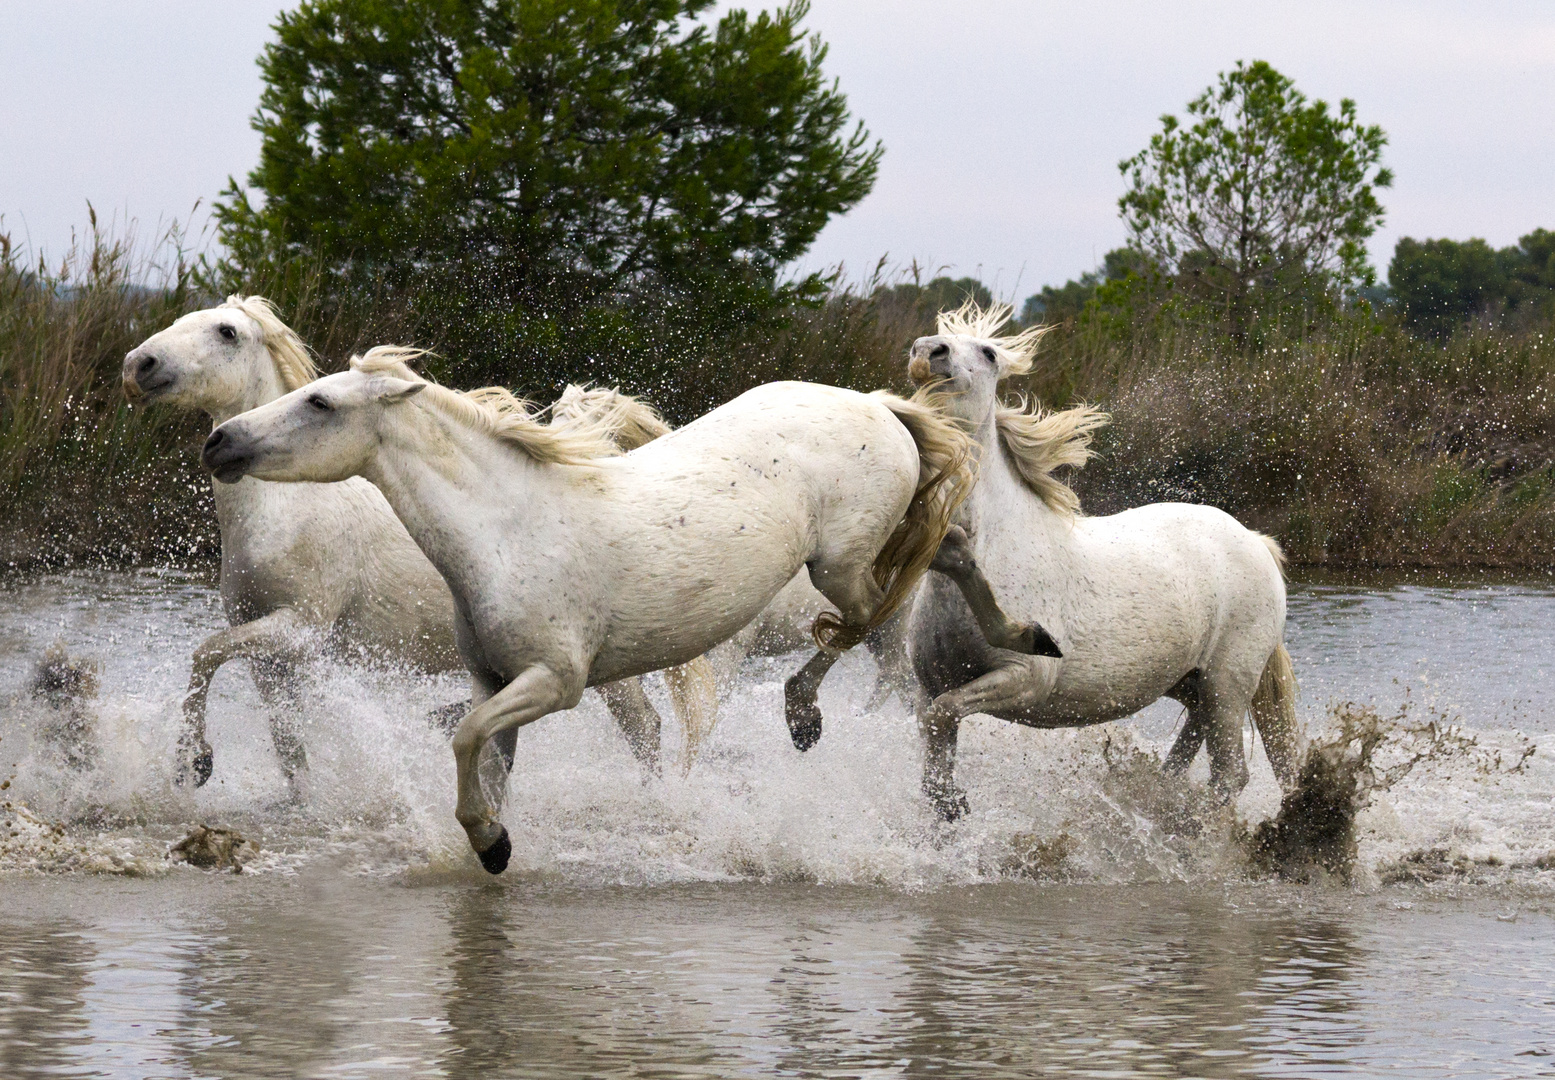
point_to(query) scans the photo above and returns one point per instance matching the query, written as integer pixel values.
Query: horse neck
(246, 505)
(261, 386)
(1002, 510)
(442, 480)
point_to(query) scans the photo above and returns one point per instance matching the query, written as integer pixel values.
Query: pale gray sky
(1003, 120)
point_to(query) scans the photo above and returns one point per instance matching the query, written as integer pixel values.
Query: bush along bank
(1354, 443)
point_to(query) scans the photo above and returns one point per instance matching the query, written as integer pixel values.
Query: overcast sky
(1003, 120)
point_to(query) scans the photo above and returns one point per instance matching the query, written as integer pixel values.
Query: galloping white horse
(1168, 600)
(571, 567)
(305, 566)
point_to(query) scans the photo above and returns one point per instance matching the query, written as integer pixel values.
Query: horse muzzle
(225, 456)
(144, 378)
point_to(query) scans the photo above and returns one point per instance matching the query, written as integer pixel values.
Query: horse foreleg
(939, 731)
(273, 636)
(955, 560)
(536, 692)
(637, 718)
(939, 722)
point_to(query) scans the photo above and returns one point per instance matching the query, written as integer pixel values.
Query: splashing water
(1082, 806)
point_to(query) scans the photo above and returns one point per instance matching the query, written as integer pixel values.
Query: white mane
(630, 421)
(495, 410)
(1038, 442)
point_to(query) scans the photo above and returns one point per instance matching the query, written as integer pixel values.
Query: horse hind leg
(638, 719)
(1220, 714)
(853, 591)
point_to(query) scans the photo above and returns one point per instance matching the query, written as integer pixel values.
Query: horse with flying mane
(306, 567)
(572, 565)
(1167, 600)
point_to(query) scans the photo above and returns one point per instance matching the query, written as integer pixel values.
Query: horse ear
(390, 389)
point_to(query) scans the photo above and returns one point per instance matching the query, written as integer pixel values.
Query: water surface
(768, 913)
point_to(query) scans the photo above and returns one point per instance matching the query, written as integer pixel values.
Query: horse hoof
(950, 805)
(1035, 641)
(804, 719)
(804, 726)
(495, 858)
(198, 768)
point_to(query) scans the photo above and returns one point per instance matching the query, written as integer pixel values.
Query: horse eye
(228, 332)
(989, 355)
(318, 402)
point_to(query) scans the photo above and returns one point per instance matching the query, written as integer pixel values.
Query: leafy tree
(1438, 285)
(546, 154)
(1058, 303)
(924, 302)
(1262, 195)
(1530, 269)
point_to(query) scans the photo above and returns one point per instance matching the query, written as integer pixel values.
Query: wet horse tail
(946, 472)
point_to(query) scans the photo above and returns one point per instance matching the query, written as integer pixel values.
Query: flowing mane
(1015, 350)
(1037, 442)
(631, 423)
(495, 410)
(293, 363)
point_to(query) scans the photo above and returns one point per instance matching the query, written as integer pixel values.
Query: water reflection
(44, 973)
(356, 978)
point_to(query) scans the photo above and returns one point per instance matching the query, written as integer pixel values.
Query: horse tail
(1274, 715)
(946, 472)
(1274, 549)
(694, 692)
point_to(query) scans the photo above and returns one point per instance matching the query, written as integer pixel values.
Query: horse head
(967, 358)
(221, 360)
(324, 431)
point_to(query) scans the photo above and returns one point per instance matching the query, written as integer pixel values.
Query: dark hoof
(804, 725)
(804, 718)
(950, 805)
(198, 769)
(1035, 641)
(495, 858)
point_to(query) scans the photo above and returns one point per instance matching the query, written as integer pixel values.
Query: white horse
(784, 625)
(571, 567)
(311, 566)
(1169, 600)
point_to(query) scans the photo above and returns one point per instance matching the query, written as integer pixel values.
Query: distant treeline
(1434, 287)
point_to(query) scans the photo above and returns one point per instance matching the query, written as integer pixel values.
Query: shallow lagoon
(767, 913)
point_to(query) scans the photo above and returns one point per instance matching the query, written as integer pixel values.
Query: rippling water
(767, 913)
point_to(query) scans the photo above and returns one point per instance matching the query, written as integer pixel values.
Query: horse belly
(715, 570)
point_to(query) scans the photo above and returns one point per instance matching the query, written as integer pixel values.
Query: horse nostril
(217, 438)
(939, 352)
(146, 366)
